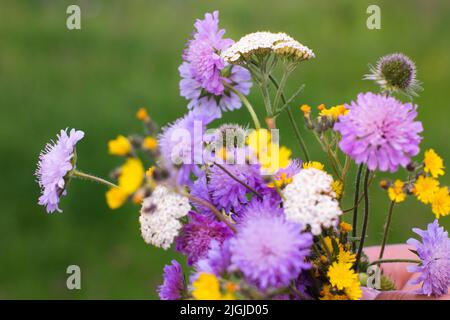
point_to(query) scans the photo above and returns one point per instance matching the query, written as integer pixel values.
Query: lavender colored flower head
(257, 207)
(181, 145)
(380, 131)
(199, 189)
(55, 163)
(217, 260)
(195, 238)
(174, 284)
(269, 250)
(434, 251)
(204, 72)
(226, 192)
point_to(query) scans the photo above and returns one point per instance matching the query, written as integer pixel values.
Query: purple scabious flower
(181, 145)
(195, 238)
(380, 131)
(217, 260)
(257, 207)
(55, 162)
(226, 192)
(199, 189)
(434, 251)
(174, 284)
(269, 250)
(204, 72)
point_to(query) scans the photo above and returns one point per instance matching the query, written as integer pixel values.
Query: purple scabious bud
(195, 238)
(55, 163)
(204, 72)
(380, 131)
(434, 251)
(395, 73)
(174, 285)
(269, 251)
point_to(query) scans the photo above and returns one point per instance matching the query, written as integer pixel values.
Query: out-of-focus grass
(126, 56)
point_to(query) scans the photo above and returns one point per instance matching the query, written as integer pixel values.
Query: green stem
(356, 205)
(280, 89)
(82, 175)
(247, 105)
(292, 121)
(386, 229)
(366, 218)
(394, 261)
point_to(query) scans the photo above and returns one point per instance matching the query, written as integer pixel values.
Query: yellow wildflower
(396, 192)
(150, 143)
(280, 181)
(433, 163)
(207, 287)
(259, 140)
(425, 187)
(440, 203)
(274, 158)
(305, 109)
(338, 187)
(120, 146)
(328, 243)
(341, 275)
(142, 114)
(313, 164)
(131, 175)
(321, 107)
(115, 198)
(345, 256)
(346, 227)
(327, 294)
(354, 291)
(149, 172)
(334, 112)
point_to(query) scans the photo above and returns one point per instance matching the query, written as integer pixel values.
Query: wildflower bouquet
(253, 222)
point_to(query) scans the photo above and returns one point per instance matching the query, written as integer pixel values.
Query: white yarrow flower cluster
(160, 216)
(310, 200)
(263, 42)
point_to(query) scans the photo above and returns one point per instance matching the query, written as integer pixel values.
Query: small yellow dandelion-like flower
(274, 158)
(346, 227)
(313, 164)
(328, 243)
(115, 198)
(440, 203)
(345, 256)
(150, 143)
(206, 287)
(354, 291)
(396, 192)
(149, 172)
(281, 181)
(327, 294)
(321, 107)
(131, 176)
(341, 275)
(338, 187)
(433, 163)
(425, 187)
(142, 114)
(120, 146)
(259, 140)
(305, 109)
(334, 112)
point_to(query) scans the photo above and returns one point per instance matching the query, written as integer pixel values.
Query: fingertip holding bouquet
(253, 222)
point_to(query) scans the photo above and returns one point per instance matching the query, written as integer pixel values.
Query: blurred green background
(126, 56)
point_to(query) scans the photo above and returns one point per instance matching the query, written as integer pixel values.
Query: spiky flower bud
(395, 73)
